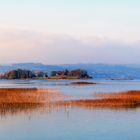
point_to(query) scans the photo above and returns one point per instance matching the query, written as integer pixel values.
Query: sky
(70, 31)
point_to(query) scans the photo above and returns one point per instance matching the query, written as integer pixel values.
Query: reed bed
(13, 100)
(19, 95)
(82, 83)
(101, 103)
(129, 99)
(28, 95)
(128, 95)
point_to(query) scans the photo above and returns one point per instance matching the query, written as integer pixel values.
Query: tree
(53, 73)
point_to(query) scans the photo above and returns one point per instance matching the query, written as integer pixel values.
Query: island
(23, 74)
(67, 74)
(28, 74)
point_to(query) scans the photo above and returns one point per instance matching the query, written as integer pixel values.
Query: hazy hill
(29, 66)
(109, 71)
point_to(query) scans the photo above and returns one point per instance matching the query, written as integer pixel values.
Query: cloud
(31, 46)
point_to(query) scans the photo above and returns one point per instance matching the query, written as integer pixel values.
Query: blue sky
(94, 23)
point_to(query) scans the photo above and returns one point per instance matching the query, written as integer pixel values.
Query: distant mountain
(29, 66)
(109, 71)
(96, 70)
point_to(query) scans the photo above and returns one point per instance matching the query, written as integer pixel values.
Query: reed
(127, 95)
(129, 99)
(21, 95)
(83, 83)
(14, 100)
(28, 95)
(101, 103)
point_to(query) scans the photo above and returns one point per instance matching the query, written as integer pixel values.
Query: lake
(72, 123)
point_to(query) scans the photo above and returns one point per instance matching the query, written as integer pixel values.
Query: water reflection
(14, 109)
(29, 109)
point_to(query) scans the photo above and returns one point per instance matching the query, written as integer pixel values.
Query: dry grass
(28, 95)
(128, 95)
(14, 100)
(82, 83)
(129, 99)
(101, 103)
(20, 95)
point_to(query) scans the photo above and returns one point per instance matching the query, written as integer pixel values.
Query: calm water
(72, 123)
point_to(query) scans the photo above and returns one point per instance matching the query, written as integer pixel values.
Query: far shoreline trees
(27, 74)
(66, 74)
